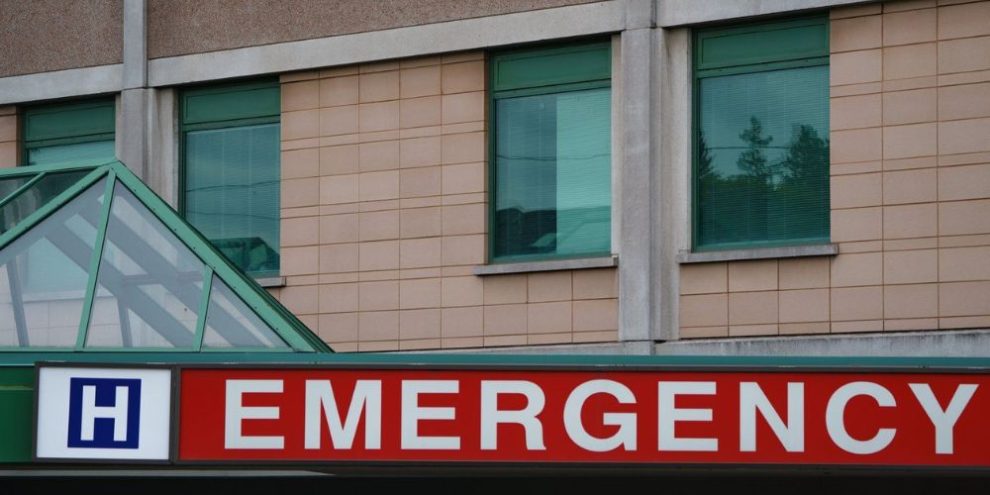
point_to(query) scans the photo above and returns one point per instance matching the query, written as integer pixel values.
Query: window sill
(271, 282)
(547, 266)
(759, 253)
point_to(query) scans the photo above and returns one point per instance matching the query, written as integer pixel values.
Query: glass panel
(7, 186)
(49, 316)
(95, 152)
(553, 175)
(762, 159)
(232, 193)
(149, 282)
(28, 201)
(230, 323)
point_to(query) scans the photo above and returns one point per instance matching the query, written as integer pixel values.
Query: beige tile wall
(384, 217)
(910, 120)
(8, 136)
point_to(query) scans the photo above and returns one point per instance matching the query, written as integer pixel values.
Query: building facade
(549, 176)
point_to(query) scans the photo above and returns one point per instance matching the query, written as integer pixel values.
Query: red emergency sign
(613, 416)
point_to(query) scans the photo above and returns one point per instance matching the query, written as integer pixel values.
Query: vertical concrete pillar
(636, 264)
(135, 98)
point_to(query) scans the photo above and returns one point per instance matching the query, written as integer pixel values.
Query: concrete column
(638, 100)
(674, 167)
(136, 99)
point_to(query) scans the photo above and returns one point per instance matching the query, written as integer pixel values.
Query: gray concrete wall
(180, 27)
(49, 35)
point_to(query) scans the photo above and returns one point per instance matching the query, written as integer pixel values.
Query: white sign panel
(103, 413)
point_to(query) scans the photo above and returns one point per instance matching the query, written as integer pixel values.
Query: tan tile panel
(806, 305)
(420, 222)
(856, 303)
(913, 26)
(856, 191)
(338, 298)
(296, 164)
(906, 267)
(419, 293)
(378, 325)
(920, 220)
(753, 308)
(901, 62)
(803, 273)
(903, 325)
(708, 310)
(804, 328)
(857, 33)
(464, 291)
(419, 324)
(549, 317)
(906, 141)
(903, 5)
(505, 289)
(961, 21)
(909, 107)
(964, 182)
(964, 263)
(964, 136)
(461, 77)
(599, 283)
(341, 327)
(964, 298)
(855, 67)
(549, 286)
(304, 231)
(419, 253)
(858, 224)
(301, 299)
(854, 11)
(858, 326)
(964, 217)
(968, 54)
(859, 145)
(505, 319)
(855, 112)
(753, 330)
(910, 186)
(336, 91)
(420, 81)
(596, 315)
(462, 322)
(752, 275)
(910, 301)
(964, 101)
(599, 336)
(299, 261)
(964, 322)
(703, 332)
(421, 113)
(704, 278)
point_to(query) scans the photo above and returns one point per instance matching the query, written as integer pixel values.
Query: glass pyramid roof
(92, 260)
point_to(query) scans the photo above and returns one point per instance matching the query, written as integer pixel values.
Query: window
(551, 149)
(230, 173)
(75, 132)
(69, 132)
(761, 135)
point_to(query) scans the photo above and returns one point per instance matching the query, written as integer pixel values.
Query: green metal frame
(544, 82)
(222, 113)
(81, 127)
(758, 60)
(292, 331)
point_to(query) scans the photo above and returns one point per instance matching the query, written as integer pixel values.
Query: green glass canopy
(92, 260)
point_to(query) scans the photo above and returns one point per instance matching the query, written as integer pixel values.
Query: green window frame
(229, 174)
(550, 146)
(780, 195)
(77, 131)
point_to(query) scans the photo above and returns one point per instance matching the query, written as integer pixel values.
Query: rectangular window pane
(91, 152)
(232, 192)
(553, 175)
(762, 158)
